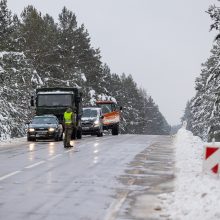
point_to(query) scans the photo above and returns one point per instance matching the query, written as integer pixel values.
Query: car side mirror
(120, 108)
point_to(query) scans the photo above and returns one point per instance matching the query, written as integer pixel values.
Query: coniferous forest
(202, 112)
(36, 51)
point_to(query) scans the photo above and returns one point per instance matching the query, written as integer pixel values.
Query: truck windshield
(51, 100)
(106, 108)
(89, 113)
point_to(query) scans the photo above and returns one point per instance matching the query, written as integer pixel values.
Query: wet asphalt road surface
(106, 178)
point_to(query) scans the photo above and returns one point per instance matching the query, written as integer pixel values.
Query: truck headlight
(51, 129)
(31, 129)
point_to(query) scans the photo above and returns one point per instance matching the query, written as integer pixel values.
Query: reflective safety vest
(68, 117)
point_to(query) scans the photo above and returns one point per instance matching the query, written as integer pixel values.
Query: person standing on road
(68, 119)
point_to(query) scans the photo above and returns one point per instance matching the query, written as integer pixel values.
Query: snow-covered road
(99, 179)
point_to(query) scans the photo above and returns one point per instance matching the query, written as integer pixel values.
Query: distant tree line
(36, 51)
(202, 112)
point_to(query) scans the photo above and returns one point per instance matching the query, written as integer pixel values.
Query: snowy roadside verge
(196, 195)
(3, 143)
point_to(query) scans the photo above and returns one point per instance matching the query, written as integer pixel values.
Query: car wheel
(30, 139)
(57, 137)
(61, 137)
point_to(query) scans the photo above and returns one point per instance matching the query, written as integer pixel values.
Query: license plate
(85, 128)
(40, 134)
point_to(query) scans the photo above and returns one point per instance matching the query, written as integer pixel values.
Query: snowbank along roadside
(196, 194)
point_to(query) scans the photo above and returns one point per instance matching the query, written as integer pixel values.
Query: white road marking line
(54, 157)
(35, 164)
(116, 205)
(114, 208)
(9, 175)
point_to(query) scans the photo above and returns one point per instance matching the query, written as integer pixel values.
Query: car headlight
(51, 129)
(96, 123)
(31, 129)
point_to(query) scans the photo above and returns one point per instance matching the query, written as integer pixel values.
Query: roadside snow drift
(196, 194)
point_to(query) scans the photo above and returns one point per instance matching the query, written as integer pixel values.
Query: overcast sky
(160, 43)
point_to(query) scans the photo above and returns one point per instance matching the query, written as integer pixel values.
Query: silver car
(92, 121)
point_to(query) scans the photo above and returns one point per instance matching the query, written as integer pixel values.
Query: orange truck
(111, 115)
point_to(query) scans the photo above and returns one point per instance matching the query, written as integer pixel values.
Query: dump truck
(55, 101)
(111, 115)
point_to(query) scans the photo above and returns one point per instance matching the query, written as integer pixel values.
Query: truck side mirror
(120, 108)
(32, 100)
(102, 116)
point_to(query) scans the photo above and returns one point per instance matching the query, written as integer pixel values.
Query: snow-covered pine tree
(18, 80)
(202, 112)
(79, 60)
(40, 39)
(6, 26)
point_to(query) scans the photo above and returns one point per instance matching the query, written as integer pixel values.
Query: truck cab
(111, 115)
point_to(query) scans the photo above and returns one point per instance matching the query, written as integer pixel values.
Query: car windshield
(89, 113)
(51, 100)
(44, 120)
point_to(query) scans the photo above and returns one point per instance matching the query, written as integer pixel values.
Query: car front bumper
(42, 135)
(90, 130)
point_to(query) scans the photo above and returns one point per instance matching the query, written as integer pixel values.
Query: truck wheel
(74, 134)
(79, 134)
(115, 130)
